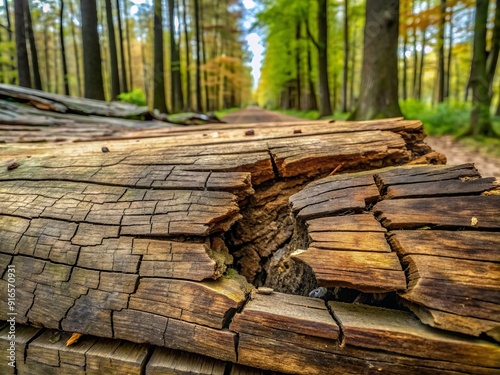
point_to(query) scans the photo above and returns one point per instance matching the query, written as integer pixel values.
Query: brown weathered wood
(170, 362)
(115, 356)
(367, 327)
(23, 336)
(449, 212)
(350, 251)
(62, 103)
(135, 243)
(334, 195)
(456, 273)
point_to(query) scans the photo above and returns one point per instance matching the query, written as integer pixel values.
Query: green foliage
(135, 96)
(449, 117)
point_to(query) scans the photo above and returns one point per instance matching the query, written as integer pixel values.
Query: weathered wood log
(468, 297)
(61, 103)
(135, 243)
(297, 335)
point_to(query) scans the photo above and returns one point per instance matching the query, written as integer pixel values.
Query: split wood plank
(344, 252)
(101, 248)
(105, 304)
(401, 333)
(49, 354)
(269, 343)
(23, 336)
(449, 212)
(455, 273)
(433, 181)
(335, 195)
(139, 212)
(170, 362)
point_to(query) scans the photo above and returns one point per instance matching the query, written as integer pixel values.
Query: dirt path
(256, 114)
(455, 151)
(458, 153)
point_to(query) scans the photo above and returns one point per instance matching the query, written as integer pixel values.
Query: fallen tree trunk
(140, 247)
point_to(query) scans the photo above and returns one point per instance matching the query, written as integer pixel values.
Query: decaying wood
(307, 341)
(166, 361)
(134, 248)
(456, 273)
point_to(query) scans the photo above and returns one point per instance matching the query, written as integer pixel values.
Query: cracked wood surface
(450, 256)
(129, 244)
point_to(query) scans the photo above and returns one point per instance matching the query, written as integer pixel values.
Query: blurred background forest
(196, 55)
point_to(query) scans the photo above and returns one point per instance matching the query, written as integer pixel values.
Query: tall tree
(63, 49)
(440, 39)
(129, 49)
(175, 63)
(123, 85)
(297, 65)
(94, 88)
(379, 83)
(75, 47)
(346, 56)
(480, 122)
(199, 105)
(447, 83)
(188, 101)
(405, 45)
(159, 99)
(325, 107)
(37, 80)
(113, 55)
(23, 67)
(312, 100)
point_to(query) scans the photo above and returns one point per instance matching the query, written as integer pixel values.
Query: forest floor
(456, 151)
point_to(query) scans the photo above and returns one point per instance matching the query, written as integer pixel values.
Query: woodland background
(193, 52)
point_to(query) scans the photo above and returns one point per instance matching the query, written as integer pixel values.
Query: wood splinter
(337, 168)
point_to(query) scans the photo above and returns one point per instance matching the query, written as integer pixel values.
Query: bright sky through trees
(254, 42)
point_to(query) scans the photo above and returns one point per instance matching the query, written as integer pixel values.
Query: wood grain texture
(448, 212)
(455, 273)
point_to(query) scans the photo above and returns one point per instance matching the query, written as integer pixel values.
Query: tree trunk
(353, 73)
(37, 80)
(77, 55)
(159, 99)
(175, 63)
(23, 67)
(325, 108)
(491, 62)
(63, 50)
(94, 88)
(199, 106)
(188, 103)
(48, 85)
(9, 33)
(447, 83)
(56, 61)
(405, 59)
(379, 83)
(346, 57)
(421, 67)
(115, 76)
(480, 122)
(298, 103)
(312, 102)
(129, 50)
(123, 81)
(415, 54)
(440, 40)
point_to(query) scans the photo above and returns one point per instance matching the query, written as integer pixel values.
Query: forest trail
(456, 152)
(256, 114)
